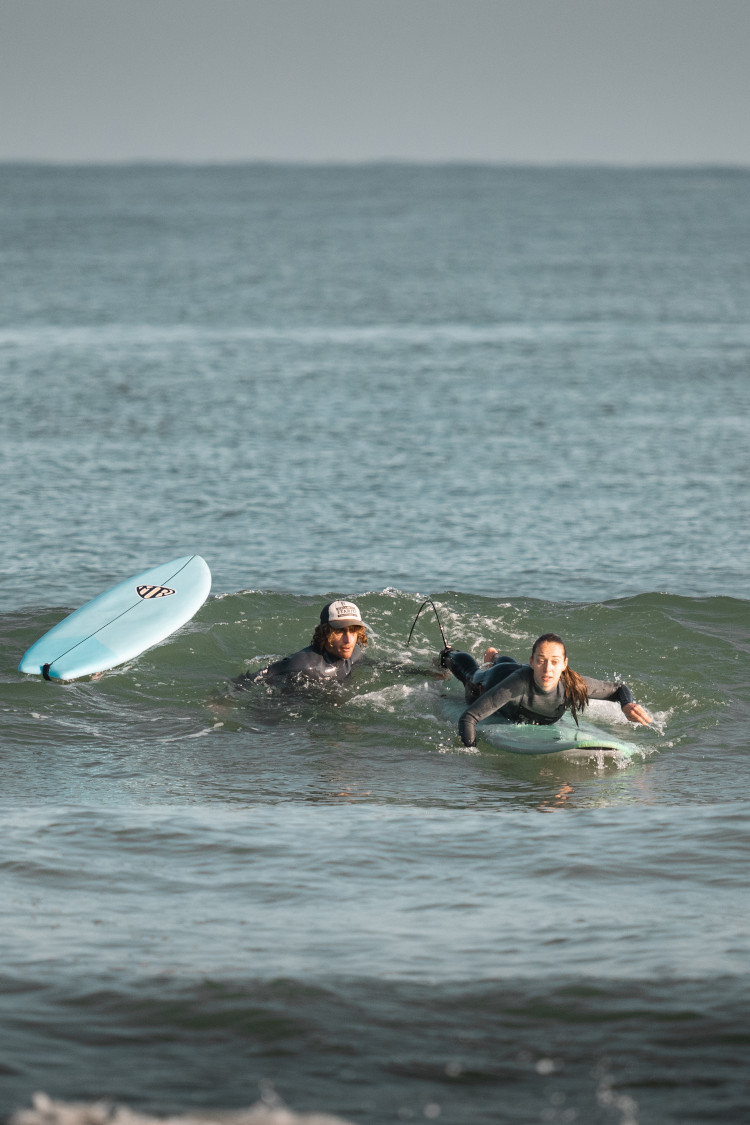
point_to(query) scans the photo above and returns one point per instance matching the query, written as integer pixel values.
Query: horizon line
(372, 162)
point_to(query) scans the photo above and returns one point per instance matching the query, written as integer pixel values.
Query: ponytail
(576, 692)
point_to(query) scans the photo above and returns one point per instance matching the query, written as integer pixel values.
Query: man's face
(342, 642)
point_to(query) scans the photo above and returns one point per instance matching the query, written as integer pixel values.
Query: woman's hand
(637, 714)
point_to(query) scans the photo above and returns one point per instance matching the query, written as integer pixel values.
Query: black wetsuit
(307, 664)
(510, 688)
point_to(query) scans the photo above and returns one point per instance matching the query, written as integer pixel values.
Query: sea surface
(520, 392)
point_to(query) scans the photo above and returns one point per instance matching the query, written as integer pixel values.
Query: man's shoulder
(307, 659)
(312, 663)
(306, 655)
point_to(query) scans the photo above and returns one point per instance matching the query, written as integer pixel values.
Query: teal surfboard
(563, 737)
(122, 622)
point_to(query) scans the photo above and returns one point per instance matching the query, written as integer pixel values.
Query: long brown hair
(576, 692)
(324, 630)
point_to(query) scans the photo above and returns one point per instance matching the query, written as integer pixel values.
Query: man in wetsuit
(338, 644)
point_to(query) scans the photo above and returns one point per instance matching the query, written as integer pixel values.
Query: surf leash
(428, 601)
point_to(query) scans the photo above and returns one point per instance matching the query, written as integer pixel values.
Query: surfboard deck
(563, 737)
(122, 622)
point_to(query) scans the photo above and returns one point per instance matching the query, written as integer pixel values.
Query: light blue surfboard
(122, 622)
(563, 737)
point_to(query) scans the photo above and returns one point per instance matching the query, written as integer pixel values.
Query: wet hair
(324, 630)
(576, 692)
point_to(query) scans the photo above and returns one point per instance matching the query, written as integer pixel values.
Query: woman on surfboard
(538, 692)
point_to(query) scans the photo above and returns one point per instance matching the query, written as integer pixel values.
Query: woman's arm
(618, 693)
(636, 713)
(491, 701)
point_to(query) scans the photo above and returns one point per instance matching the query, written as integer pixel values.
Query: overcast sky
(616, 81)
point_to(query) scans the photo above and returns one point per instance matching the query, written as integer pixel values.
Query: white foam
(48, 1111)
(392, 699)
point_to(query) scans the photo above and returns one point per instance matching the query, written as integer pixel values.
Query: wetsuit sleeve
(608, 689)
(508, 691)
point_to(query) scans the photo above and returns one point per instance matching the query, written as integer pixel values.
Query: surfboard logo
(148, 592)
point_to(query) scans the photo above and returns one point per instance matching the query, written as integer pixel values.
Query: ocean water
(520, 392)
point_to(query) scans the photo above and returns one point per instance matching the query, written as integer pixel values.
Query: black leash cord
(428, 601)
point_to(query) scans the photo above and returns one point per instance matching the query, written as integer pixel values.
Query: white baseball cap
(339, 614)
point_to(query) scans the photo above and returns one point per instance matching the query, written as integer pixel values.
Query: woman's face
(548, 662)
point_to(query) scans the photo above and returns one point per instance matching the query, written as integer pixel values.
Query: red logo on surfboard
(147, 592)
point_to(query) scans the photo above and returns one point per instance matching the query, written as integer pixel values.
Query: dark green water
(523, 392)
